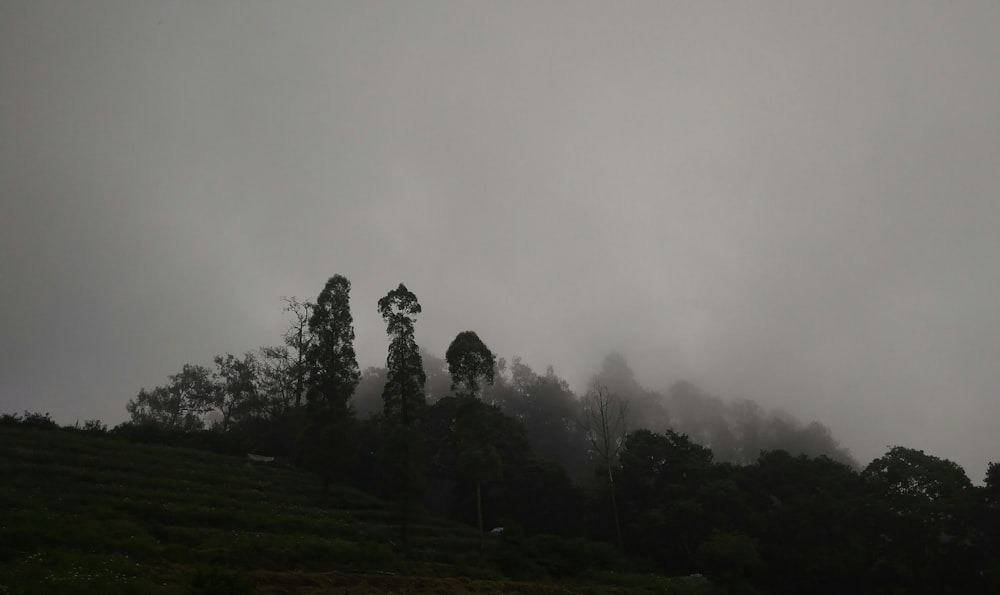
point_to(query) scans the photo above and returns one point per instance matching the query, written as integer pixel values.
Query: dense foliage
(681, 482)
(83, 511)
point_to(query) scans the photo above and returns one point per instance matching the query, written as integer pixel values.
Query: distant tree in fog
(605, 422)
(237, 395)
(551, 414)
(180, 404)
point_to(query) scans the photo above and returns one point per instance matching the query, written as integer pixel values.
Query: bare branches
(299, 339)
(604, 418)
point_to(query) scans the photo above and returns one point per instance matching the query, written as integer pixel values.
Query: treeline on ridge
(686, 482)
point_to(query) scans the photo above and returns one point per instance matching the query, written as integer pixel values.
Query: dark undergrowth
(87, 512)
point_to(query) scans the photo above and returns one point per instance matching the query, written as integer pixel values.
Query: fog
(792, 203)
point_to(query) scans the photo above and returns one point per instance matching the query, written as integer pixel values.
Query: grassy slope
(85, 513)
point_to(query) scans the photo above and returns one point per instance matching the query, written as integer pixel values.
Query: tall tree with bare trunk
(604, 418)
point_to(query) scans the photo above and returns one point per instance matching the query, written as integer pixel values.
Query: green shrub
(95, 426)
(29, 420)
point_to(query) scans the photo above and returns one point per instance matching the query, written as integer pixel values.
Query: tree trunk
(479, 515)
(614, 506)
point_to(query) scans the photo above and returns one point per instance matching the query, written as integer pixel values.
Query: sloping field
(83, 513)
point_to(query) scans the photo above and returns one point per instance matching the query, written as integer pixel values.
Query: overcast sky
(795, 202)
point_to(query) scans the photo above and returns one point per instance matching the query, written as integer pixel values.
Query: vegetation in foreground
(85, 512)
(698, 486)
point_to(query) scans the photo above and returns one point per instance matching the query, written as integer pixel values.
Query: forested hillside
(85, 512)
(674, 483)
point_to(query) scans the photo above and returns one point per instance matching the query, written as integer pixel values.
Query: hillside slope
(92, 513)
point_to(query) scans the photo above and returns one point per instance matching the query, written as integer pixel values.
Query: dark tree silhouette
(334, 372)
(403, 401)
(923, 515)
(469, 359)
(236, 396)
(180, 404)
(333, 375)
(403, 396)
(298, 341)
(478, 460)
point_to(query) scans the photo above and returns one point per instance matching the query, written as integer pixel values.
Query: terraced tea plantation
(91, 513)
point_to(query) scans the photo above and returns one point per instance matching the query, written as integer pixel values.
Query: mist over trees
(682, 479)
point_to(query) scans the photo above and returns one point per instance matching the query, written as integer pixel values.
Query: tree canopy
(469, 359)
(333, 366)
(698, 483)
(403, 395)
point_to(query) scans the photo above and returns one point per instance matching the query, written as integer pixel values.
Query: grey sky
(793, 202)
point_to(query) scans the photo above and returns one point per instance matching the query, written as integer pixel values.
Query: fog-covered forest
(688, 482)
(667, 289)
